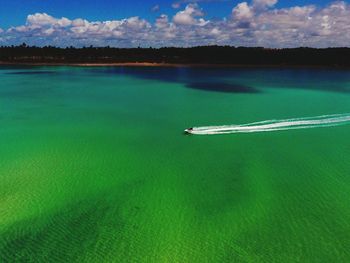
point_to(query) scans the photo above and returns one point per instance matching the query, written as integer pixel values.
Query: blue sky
(129, 23)
(14, 12)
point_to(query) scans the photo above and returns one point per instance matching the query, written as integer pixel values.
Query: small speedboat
(189, 131)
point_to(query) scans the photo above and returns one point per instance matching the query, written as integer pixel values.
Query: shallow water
(94, 166)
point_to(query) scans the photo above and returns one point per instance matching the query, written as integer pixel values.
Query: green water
(94, 166)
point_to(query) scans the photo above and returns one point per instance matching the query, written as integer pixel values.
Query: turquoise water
(94, 166)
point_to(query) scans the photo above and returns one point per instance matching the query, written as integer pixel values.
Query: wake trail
(276, 125)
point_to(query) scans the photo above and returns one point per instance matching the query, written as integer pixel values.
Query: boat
(188, 130)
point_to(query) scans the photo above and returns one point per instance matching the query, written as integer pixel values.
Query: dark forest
(212, 55)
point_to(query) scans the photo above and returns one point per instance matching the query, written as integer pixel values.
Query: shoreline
(165, 65)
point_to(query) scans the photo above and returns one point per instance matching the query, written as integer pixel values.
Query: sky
(131, 23)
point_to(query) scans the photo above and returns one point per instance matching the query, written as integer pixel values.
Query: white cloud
(177, 4)
(259, 23)
(188, 16)
(262, 4)
(43, 19)
(80, 23)
(162, 21)
(40, 19)
(242, 11)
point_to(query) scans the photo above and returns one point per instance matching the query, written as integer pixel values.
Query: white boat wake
(275, 125)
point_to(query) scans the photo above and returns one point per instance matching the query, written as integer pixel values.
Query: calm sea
(95, 167)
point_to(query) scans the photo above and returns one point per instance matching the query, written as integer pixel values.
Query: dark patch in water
(221, 87)
(26, 91)
(185, 76)
(92, 228)
(31, 73)
(148, 73)
(65, 236)
(220, 194)
(278, 78)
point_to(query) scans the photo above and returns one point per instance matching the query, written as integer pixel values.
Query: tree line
(225, 55)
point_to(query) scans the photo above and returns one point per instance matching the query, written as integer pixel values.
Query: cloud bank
(255, 23)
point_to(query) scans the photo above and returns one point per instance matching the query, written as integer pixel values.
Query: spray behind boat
(274, 125)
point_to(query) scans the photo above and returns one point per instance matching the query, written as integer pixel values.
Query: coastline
(94, 64)
(165, 65)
